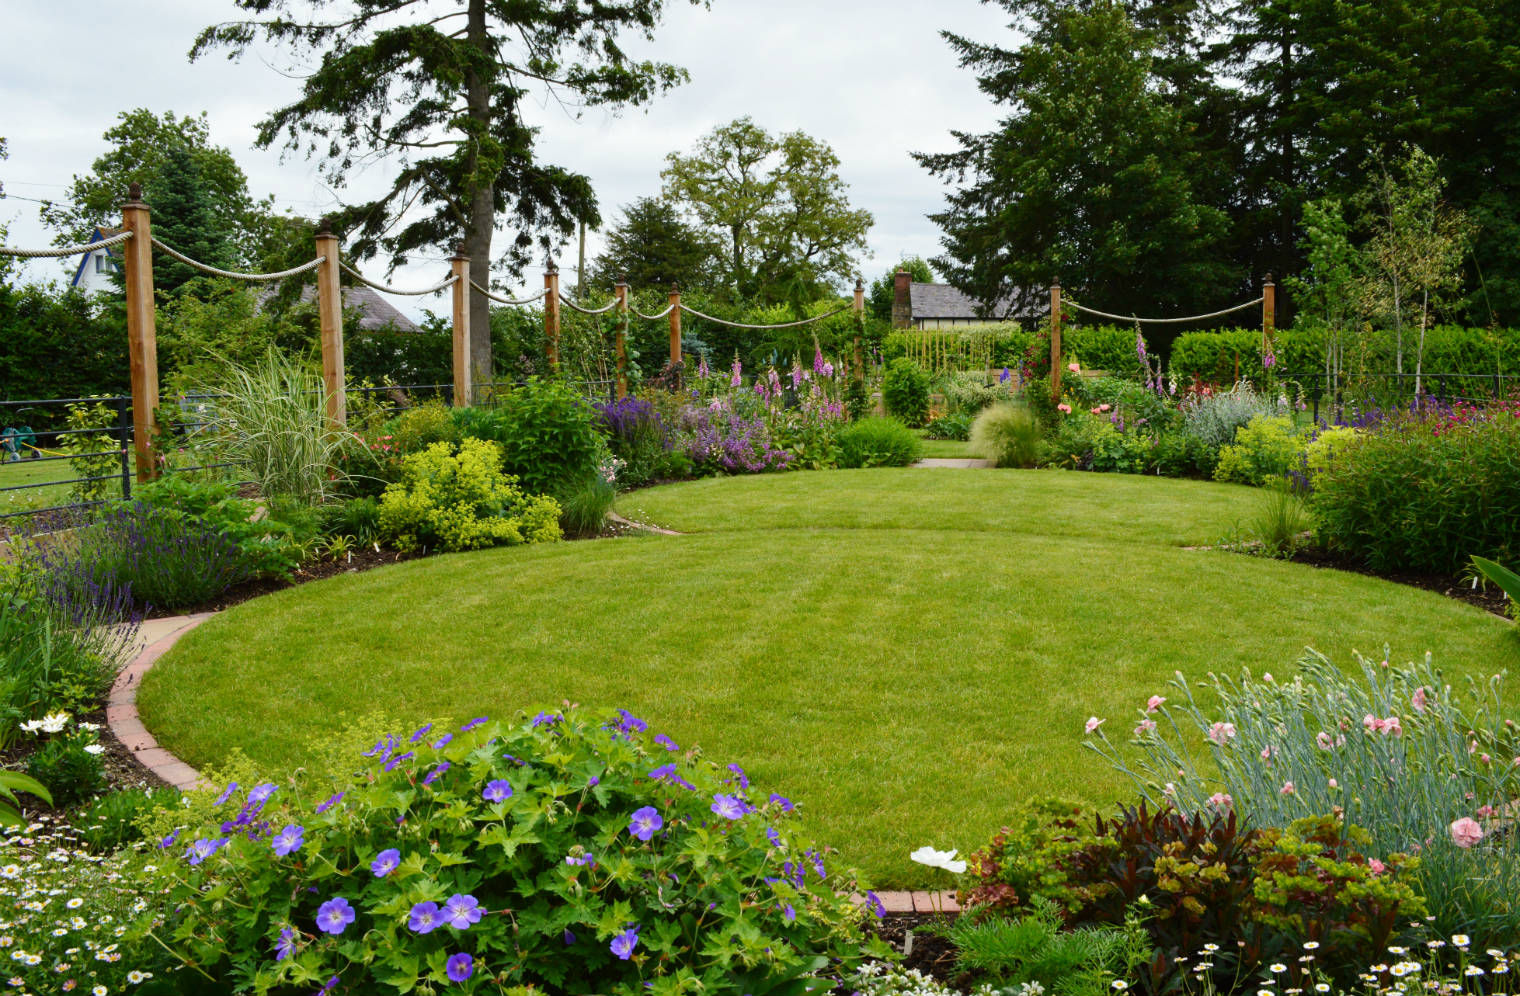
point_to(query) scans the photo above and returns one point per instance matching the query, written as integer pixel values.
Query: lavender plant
(1425, 770)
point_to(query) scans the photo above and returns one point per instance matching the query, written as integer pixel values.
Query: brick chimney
(902, 304)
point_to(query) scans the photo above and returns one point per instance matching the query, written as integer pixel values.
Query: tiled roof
(375, 312)
(944, 301)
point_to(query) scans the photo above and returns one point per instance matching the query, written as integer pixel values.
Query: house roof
(375, 312)
(944, 301)
(95, 236)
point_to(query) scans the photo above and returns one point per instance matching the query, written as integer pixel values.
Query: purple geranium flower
(568, 937)
(645, 822)
(168, 841)
(385, 862)
(203, 849)
(623, 944)
(334, 916)
(261, 794)
(773, 836)
(286, 946)
(477, 721)
(788, 913)
(547, 719)
(442, 741)
(783, 802)
(332, 801)
(226, 794)
(663, 773)
(289, 840)
(583, 859)
(432, 776)
(420, 733)
(876, 904)
(461, 912)
(730, 807)
(743, 781)
(666, 742)
(460, 966)
(425, 918)
(499, 790)
(399, 758)
(629, 723)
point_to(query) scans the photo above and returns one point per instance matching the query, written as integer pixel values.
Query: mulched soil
(123, 770)
(1490, 599)
(931, 954)
(362, 559)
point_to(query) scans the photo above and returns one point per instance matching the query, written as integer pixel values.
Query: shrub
(462, 501)
(857, 403)
(1266, 447)
(1326, 448)
(420, 426)
(1326, 742)
(956, 426)
(969, 393)
(1025, 861)
(97, 455)
(1109, 348)
(567, 853)
(878, 442)
(1420, 496)
(1008, 435)
(271, 537)
(1177, 454)
(69, 766)
(905, 392)
(1215, 418)
(548, 437)
(272, 418)
(357, 517)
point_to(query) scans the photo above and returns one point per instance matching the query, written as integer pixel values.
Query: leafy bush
(357, 517)
(905, 392)
(420, 426)
(548, 436)
(568, 853)
(113, 820)
(97, 455)
(69, 766)
(271, 537)
(878, 442)
(449, 500)
(1109, 348)
(953, 426)
(272, 418)
(1325, 742)
(1036, 950)
(1421, 496)
(969, 393)
(1025, 861)
(1325, 449)
(1177, 454)
(1266, 447)
(1215, 418)
(1008, 435)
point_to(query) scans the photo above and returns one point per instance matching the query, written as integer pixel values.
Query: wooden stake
(464, 392)
(142, 337)
(621, 345)
(675, 324)
(551, 315)
(1269, 309)
(860, 327)
(330, 312)
(1055, 341)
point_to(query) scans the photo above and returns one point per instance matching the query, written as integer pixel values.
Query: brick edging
(127, 725)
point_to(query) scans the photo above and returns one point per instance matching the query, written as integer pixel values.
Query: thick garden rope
(507, 300)
(215, 271)
(1161, 321)
(587, 311)
(656, 316)
(453, 277)
(785, 325)
(65, 250)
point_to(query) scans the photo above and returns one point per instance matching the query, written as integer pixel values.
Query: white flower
(94, 749)
(1119, 985)
(927, 855)
(1461, 940)
(54, 722)
(92, 727)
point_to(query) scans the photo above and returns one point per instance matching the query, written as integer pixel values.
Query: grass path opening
(906, 653)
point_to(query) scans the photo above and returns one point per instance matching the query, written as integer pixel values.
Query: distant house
(96, 266)
(376, 314)
(939, 306)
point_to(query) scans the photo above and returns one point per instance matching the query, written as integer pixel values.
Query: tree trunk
(480, 210)
(1419, 357)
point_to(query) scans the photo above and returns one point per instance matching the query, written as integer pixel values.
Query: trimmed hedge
(1100, 347)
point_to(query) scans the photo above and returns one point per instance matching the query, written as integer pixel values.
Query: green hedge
(1100, 347)
(1210, 357)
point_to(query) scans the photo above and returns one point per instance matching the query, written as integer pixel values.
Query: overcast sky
(873, 79)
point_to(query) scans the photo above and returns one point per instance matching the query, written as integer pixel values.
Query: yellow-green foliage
(1321, 454)
(1268, 446)
(448, 500)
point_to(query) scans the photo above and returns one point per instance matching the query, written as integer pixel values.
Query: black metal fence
(1391, 389)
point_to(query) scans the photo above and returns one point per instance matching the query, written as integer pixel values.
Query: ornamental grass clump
(1007, 434)
(1428, 772)
(570, 852)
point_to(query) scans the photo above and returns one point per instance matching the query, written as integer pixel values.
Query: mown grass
(907, 653)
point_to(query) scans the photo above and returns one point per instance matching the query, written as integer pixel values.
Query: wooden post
(675, 324)
(464, 391)
(330, 312)
(859, 357)
(142, 337)
(551, 314)
(621, 290)
(1055, 340)
(1269, 310)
